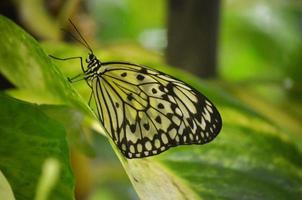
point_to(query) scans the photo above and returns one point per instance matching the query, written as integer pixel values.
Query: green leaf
(78, 128)
(31, 70)
(6, 191)
(28, 139)
(48, 179)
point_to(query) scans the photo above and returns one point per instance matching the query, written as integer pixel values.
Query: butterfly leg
(70, 58)
(89, 101)
(91, 96)
(94, 109)
(76, 78)
(73, 79)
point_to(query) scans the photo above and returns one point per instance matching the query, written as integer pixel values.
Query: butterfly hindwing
(146, 112)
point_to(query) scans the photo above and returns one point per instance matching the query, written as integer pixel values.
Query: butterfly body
(146, 111)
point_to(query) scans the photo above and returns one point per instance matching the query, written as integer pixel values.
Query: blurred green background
(255, 63)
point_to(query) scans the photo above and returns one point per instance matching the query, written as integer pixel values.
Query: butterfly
(145, 111)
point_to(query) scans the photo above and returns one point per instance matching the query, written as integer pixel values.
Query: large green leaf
(26, 65)
(29, 139)
(6, 191)
(250, 159)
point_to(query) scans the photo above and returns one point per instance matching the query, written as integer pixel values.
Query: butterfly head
(93, 63)
(91, 57)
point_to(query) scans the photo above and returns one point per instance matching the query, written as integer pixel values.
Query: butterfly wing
(146, 111)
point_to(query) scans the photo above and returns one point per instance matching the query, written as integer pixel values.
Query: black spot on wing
(129, 97)
(158, 119)
(140, 77)
(154, 91)
(160, 106)
(132, 128)
(146, 126)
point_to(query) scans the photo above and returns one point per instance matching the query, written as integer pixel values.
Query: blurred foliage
(6, 191)
(251, 157)
(26, 144)
(261, 51)
(127, 19)
(261, 40)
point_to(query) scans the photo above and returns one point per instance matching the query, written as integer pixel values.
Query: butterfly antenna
(76, 29)
(75, 38)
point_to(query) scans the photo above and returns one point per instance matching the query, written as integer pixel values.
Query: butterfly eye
(91, 56)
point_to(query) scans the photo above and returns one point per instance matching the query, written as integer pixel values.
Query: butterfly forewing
(146, 112)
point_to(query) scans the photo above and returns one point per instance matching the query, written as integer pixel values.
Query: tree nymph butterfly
(144, 111)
